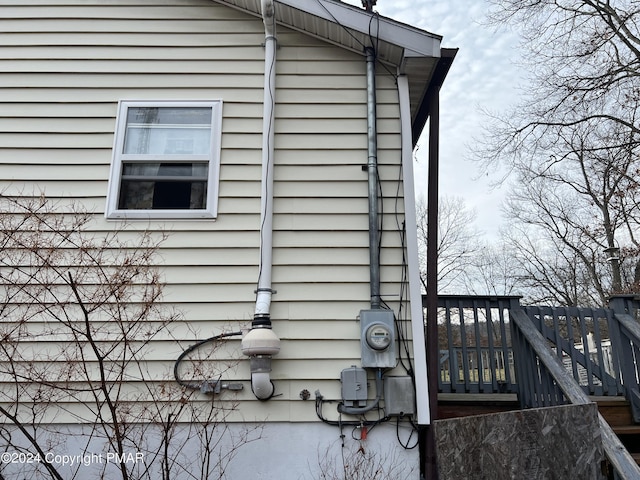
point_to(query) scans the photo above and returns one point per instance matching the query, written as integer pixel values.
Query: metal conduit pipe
(374, 227)
(372, 170)
(261, 343)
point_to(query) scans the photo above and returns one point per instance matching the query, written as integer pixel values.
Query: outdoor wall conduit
(261, 343)
(372, 171)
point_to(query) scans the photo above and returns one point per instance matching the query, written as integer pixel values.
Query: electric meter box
(378, 338)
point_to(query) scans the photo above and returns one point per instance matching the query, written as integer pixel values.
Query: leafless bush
(362, 463)
(80, 374)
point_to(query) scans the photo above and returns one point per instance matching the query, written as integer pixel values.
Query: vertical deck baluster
(463, 346)
(586, 350)
(606, 387)
(572, 351)
(557, 336)
(616, 349)
(453, 358)
(478, 341)
(506, 344)
(492, 360)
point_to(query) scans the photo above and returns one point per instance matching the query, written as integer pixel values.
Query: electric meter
(378, 336)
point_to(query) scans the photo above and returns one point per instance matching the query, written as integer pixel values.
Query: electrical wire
(376, 37)
(320, 401)
(335, 20)
(375, 42)
(414, 429)
(195, 346)
(404, 280)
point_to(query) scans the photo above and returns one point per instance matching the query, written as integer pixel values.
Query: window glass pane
(168, 131)
(148, 186)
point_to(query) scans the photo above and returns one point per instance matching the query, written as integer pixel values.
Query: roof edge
(437, 79)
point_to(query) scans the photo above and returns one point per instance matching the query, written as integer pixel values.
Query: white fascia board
(418, 42)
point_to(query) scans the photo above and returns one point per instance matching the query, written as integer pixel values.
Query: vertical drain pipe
(372, 170)
(261, 343)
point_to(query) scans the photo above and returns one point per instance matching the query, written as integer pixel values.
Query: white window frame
(119, 157)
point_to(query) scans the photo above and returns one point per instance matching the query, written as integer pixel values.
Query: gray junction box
(399, 396)
(354, 386)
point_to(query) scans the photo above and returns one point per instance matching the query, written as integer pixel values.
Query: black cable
(402, 232)
(320, 401)
(375, 37)
(414, 429)
(195, 346)
(340, 25)
(402, 337)
(375, 42)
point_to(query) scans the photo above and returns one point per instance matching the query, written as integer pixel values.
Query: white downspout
(415, 295)
(260, 343)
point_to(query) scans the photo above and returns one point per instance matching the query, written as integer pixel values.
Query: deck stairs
(615, 410)
(497, 356)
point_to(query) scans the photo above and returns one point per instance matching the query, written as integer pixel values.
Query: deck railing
(475, 344)
(583, 339)
(626, 336)
(545, 381)
(598, 346)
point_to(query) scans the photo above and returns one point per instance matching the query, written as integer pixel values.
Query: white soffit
(350, 27)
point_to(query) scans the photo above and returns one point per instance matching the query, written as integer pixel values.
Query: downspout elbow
(268, 17)
(260, 344)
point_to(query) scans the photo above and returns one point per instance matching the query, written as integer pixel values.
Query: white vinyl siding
(67, 64)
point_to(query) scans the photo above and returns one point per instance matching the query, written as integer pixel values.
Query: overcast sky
(483, 76)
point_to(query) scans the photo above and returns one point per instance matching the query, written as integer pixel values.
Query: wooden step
(615, 410)
(626, 429)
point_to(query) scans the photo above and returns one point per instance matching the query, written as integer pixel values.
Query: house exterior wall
(66, 64)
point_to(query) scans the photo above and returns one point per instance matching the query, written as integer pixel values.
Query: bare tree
(494, 270)
(572, 146)
(458, 242)
(583, 58)
(82, 315)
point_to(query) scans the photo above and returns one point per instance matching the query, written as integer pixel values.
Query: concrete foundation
(283, 451)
